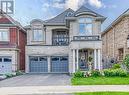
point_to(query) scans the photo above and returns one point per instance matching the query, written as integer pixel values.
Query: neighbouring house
(116, 40)
(12, 45)
(65, 43)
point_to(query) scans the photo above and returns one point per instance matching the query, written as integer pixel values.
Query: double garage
(42, 64)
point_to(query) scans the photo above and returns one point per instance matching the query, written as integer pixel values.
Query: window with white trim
(38, 35)
(4, 35)
(85, 26)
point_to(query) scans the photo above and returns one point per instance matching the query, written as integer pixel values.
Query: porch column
(99, 60)
(95, 61)
(49, 63)
(77, 63)
(74, 61)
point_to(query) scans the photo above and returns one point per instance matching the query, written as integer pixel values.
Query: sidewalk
(60, 89)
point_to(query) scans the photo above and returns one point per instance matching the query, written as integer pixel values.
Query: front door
(83, 60)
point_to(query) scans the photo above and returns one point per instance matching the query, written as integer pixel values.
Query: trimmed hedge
(115, 72)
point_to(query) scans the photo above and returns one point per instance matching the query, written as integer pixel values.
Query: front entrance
(85, 59)
(5, 64)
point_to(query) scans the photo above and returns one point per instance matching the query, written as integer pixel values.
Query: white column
(99, 60)
(77, 63)
(49, 63)
(95, 61)
(74, 61)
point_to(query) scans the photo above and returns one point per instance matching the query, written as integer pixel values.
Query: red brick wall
(12, 39)
(22, 43)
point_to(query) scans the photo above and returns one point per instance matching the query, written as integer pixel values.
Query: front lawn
(103, 93)
(101, 81)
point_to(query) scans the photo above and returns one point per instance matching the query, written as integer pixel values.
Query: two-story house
(65, 43)
(12, 45)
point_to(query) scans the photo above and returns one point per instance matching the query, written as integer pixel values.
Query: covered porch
(86, 59)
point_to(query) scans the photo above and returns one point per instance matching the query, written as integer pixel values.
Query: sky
(27, 10)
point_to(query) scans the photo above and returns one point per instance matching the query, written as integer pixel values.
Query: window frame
(85, 23)
(8, 35)
(43, 35)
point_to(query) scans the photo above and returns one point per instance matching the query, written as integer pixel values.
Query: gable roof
(7, 20)
(84, 9)
(124, 14)
(61, 17)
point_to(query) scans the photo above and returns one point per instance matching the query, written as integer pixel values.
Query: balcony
(86, 38)
(60, 41)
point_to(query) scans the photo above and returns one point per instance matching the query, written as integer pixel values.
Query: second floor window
(85, 26)
(38, 35)
(4, 35)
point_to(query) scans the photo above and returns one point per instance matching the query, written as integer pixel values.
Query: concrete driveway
(37, 80)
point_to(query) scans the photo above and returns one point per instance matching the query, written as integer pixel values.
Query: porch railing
(86, 38)
(60, 41)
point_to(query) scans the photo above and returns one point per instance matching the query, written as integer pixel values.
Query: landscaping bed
(103, 93)
(9, 75)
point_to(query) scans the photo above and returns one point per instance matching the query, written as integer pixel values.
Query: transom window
(4, 35)
(38, 35)
(85, 26)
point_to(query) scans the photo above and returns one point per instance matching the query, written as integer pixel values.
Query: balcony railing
(60, 41)
(86, 38)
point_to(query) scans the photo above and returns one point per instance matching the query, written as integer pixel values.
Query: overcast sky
(26, 10)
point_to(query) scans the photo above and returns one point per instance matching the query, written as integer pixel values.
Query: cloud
(96, 3)
(74, 4)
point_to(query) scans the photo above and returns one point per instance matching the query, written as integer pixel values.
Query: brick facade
(115, 39)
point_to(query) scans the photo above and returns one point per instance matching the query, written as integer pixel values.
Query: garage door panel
(38, 64)
(5, 64)
(59, 64)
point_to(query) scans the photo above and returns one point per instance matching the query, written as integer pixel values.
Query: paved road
(60, 90)
(37, 80)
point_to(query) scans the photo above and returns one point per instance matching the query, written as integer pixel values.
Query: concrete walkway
(38, 90)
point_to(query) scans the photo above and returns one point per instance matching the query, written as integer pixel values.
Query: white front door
(5, 65)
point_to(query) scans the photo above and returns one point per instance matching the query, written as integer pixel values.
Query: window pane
(7, 60)
(0, 36)
(43, 58)
(82, 29)
(5, 36)
(82, 20)
(88, 20)
(89, 29)
(38, 35)
(55, 59)
(0, 59)
(34, 58)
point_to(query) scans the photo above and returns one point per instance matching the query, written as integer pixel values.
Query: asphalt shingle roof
(61, 17)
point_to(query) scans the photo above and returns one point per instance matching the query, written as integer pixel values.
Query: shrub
(116, 66)
(8, 75)
(126, 61)
(79, 74)
(115, 72)
(19, 73)
(95, 73)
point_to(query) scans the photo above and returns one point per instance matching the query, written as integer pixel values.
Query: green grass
(103, 93)
(101, 81)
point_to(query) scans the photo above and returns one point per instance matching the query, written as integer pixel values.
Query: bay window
(85, 26)
(4, 35)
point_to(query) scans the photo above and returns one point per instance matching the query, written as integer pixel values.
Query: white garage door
(5, 65)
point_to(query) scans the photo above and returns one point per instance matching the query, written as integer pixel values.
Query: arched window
(85, 26)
